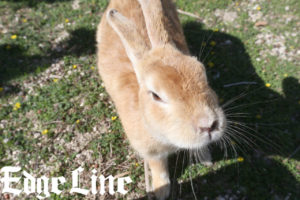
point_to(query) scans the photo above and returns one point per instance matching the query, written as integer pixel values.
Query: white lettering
(6, 180)
(55, 184)
(94, 182)
(121, 184)
(28, 190)
(39, 187)
(75, 182)
(110, 184)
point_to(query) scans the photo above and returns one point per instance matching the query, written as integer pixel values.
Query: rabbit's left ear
(135, 45)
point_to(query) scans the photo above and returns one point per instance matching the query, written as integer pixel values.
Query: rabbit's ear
(154, 19)
(132, 40)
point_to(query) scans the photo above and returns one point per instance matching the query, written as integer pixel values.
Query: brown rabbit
(161, 92)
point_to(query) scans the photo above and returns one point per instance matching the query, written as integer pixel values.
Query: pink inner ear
(131, 38)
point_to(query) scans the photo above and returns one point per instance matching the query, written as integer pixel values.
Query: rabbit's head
(177, 105)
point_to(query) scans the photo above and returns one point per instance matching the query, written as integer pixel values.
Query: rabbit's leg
(160, 177)
(147, 175)
(205, 157)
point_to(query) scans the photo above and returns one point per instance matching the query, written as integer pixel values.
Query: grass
(55, 114)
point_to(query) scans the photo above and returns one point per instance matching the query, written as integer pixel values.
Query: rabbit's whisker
(204, 46)
(244, 128)
(242, 137)
(207, 54)
(182, 166)
(238, 114)
(232, 100)
(270, 125)
(220, 143)
(190, 177)
(234, 138)
(228, 141)
(224, 147)
(242, 95)
(250, 104)
(237, 145)
(174, 175)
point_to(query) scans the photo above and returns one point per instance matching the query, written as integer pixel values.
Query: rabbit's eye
(155, 96)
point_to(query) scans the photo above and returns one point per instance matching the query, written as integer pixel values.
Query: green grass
(71, 107)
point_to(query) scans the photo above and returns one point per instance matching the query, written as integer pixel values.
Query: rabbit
(160, 91)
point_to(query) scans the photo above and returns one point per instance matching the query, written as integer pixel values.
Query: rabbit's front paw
(161, 187)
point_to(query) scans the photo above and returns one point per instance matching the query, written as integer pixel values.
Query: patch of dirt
(226, 16)
(276, 46)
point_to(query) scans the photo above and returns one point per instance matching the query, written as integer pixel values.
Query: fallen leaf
(261, 23)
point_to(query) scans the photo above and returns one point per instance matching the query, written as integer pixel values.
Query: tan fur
(141, 47)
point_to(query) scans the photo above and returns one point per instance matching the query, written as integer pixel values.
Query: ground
(55, 114)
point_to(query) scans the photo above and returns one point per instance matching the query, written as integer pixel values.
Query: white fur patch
(165, 177)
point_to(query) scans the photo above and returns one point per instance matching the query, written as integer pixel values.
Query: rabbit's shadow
(267, 123)
(15, 61)
(30, 3)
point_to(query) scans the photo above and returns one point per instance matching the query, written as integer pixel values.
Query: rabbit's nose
(210, 127)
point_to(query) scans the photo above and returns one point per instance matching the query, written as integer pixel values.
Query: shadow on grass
(32, 3)
(267, 124)
(15, 61)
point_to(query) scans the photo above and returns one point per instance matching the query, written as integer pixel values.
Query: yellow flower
(210, 64)
(285, 75)
(17, 106)
(258, 8)
(44, 132)
(137, 164)
(216, 30)
(74, 66)
(268, 84)
(1, 89)
(113, 118)
(67, 20)
(13, 37)
(292, 47)
(203, 43)
(8, 47)
(258, 116)
(92, 67)
(237, 3)
(24, 20)
(212, 43)
(55, 80)
(240, 159)
(77, 121)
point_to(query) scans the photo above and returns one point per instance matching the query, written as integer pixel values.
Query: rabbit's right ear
(132, 40)
(155, 22)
